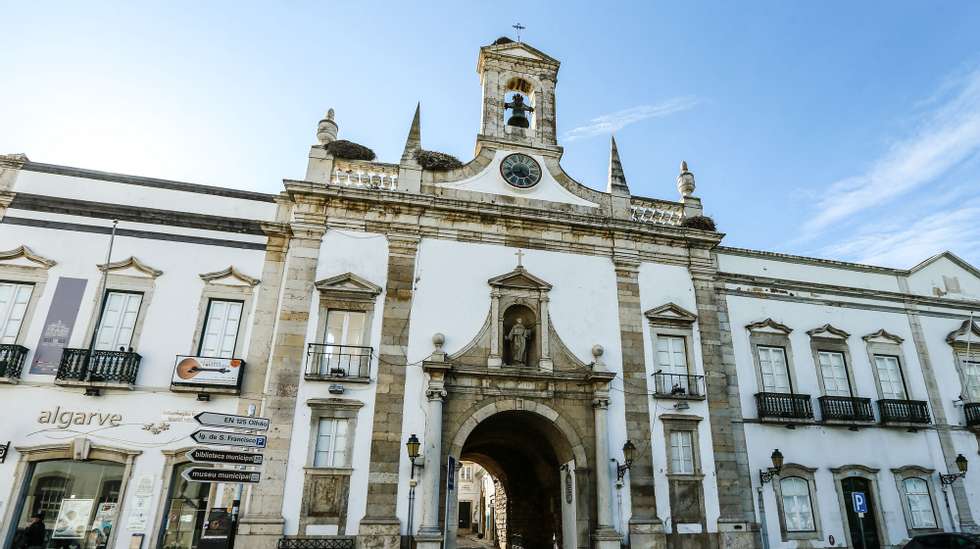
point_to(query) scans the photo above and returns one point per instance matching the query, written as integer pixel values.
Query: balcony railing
(904, 411)
(315, 543)
(784, 406)
(681, 386)
(837, 408)
(972, 412)
(338, 361)
(87, 366)
(12, 360)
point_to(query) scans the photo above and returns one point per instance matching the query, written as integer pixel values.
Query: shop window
(191, 512)
(79, 499)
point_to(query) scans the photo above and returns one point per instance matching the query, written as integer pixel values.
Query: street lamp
(629, 451)
(412, 446)
(766, 475)
(950, 478)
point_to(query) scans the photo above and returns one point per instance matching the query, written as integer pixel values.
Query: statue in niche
(518, 108)
(518, 337)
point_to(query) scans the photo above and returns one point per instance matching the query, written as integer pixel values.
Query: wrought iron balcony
(315, 543)
(679, 386)
(972, 412)
(12, 361)
(846, 409)
(84, 366)
(784, 407)
(333, 362)
(894, 411)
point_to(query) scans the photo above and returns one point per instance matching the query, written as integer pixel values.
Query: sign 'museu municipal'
(212, 419)
(225, 438)
(200, 474)
(206, 455)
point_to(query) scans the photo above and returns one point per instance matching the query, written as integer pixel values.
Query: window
(220, 331)
(833, 369)
(797, 511)
(13, 306)
(971, 378)
(890, 377)
(118, 320)
(188, 506)
(466, 473)
(672, 354)
(331, 443)
(919, 502)
(775, 374)
(682, 452)
(344, 328)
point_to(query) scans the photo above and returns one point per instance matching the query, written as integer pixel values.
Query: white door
(672, 361)
(221, 329)
(890, 377)
(834, 373)
(13, 306)
(775, 374)
(118, 321)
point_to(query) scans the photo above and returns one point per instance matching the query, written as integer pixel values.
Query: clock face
(520, 170)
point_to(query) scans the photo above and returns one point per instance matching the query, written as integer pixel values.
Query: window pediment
(881, 336)
(131, 267)
(519, 278)
(768, 326)
(348, 286)
(230, 277)
(671, 313)
(22, 256)
(829, 332)
(966, 334)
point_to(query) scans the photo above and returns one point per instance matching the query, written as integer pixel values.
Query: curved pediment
(768, 326)
(519, 278)
(967, 334)
(22, 256)
(828, 331)
(881, 336)
(132, 267)
(230, 276)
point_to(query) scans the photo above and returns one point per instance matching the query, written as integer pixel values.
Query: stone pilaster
(646, 528)
(430, 535)
(736, 524)
(380, 527)
(262, 523)
(965, 516)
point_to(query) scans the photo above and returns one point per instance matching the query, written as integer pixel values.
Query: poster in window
(207, 372)
(73, 517)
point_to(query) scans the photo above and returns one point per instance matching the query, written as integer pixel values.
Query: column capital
(403, 244)
(435, 393)
(601, 402)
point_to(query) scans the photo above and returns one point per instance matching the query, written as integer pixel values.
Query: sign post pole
(237, 503)
(859, 502)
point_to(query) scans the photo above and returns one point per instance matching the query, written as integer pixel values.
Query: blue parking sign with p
(860, 502)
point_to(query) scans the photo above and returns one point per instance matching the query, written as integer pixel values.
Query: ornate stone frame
(691, 424)
(337, 408)
(885, 344)
(928, 475)
(519, 287)
(346, 292)
(769, 333)
(125, 281)
(960, 339)
(227, 285)
(871, 474)
(23, 266)
(78, 449)
(672, 320)
(827, 338)
(807, 474)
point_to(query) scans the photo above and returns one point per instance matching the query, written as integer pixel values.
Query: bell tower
(518, 94)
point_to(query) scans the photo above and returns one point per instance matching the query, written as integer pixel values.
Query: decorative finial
(518, 27)
(685, 181)
(520, 255)
(326, 130)
(617, 179)
(414, 141)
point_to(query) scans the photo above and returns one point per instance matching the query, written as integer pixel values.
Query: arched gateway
(519, 404)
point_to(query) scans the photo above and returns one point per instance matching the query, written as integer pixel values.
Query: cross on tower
(519, 27)
(520, 255)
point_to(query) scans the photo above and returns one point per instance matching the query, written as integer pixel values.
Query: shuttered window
(221, 328)
(834, 372)
(13, 306)
(920, 504)
(775, 374)
(118, 321)
(890, 377)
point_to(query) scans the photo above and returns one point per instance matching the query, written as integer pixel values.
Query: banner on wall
(58, 325)
(207, 372)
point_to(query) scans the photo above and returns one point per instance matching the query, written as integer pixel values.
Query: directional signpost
(212, 419)
(206, 455)
(227, 438)
(201, 474)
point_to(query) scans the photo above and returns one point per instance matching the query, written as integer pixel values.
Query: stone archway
(540, 463)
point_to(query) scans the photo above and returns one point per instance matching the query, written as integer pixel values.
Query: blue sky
(848, 130)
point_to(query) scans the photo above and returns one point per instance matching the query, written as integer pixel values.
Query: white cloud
(903, 243)
(945, 137)
(612, 122)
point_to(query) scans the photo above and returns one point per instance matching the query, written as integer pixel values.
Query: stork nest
(699, 222)
(350, 150)
(501, 40)
(433, 160)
